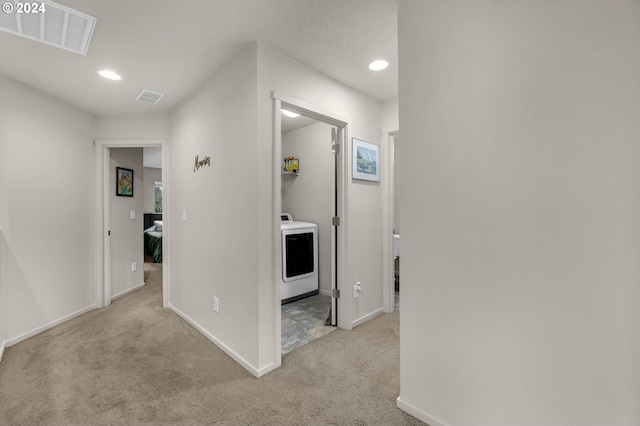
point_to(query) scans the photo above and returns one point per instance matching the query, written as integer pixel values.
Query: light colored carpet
(136, 363)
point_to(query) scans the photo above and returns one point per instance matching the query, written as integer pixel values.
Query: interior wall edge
(257, 372)
(368, 317)
(2, 341)
(419, 414)
(203, 124)
(21, 338)
(125, 292)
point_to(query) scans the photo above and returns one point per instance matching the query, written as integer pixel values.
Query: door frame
(343, 160)
(388, 297)
(102, 212)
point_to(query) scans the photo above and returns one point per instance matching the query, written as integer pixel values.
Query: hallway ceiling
(174, 47)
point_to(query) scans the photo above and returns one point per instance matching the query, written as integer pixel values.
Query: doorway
(395, 139)
(332, 220)
(391, 229)
(308, 200)
(104, 185)
(153, 220)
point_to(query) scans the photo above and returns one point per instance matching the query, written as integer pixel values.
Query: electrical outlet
(216, 306)
(134, 266)
(133, 214)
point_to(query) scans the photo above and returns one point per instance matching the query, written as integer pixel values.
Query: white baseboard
(368, 317)
(418, 414)
(325, 292)
(266, 369)
(2, 344)
(123, 293)
(25, 336)
(250, 368)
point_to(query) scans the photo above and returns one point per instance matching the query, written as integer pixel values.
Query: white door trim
(325, 116)
(388, 214)
(102, 225)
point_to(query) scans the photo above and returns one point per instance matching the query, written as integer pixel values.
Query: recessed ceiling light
(110, 75)
(290, 114)
(378, 65)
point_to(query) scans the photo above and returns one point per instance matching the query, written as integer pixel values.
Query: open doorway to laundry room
(310, 173)
(307, 191)
(130, 191)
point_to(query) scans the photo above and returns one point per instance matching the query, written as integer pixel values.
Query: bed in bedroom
(153, 236)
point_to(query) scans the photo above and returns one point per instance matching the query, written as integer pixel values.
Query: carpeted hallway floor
(136, 363)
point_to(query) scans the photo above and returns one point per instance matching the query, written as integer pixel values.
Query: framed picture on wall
(366, 160)
(124, 182)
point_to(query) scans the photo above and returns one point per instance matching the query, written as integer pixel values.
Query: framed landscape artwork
(366, 160)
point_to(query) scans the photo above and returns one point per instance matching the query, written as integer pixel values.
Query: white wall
(4, 143)
(308, 196)
(127, 240)
(520, 211)
(215, 253)
(390, 120)
(150, 175)
(47, 211)
(224, 248)
(3, 250)
(389, 117)
(133, 126)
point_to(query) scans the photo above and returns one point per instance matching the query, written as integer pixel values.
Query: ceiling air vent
(149, 97)
(49, 23)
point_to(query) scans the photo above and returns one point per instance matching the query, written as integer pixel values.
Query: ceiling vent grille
(49, 23)
(149, 97)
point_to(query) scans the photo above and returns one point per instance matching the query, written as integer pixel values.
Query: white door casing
(295, 105)
(102, 178)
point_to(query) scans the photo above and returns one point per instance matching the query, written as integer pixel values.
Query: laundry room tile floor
(303, 321)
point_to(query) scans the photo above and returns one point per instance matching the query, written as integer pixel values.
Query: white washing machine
(299, 259)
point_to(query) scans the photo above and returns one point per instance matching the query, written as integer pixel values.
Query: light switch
(133, 214)
(184, 215)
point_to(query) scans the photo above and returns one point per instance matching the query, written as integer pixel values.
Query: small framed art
(366, 160)
(124, 182)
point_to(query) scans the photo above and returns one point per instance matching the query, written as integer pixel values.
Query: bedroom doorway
(117, 212)
(152, 199)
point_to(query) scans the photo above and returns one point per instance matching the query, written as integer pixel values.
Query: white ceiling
(289, 124)
(172, 47)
